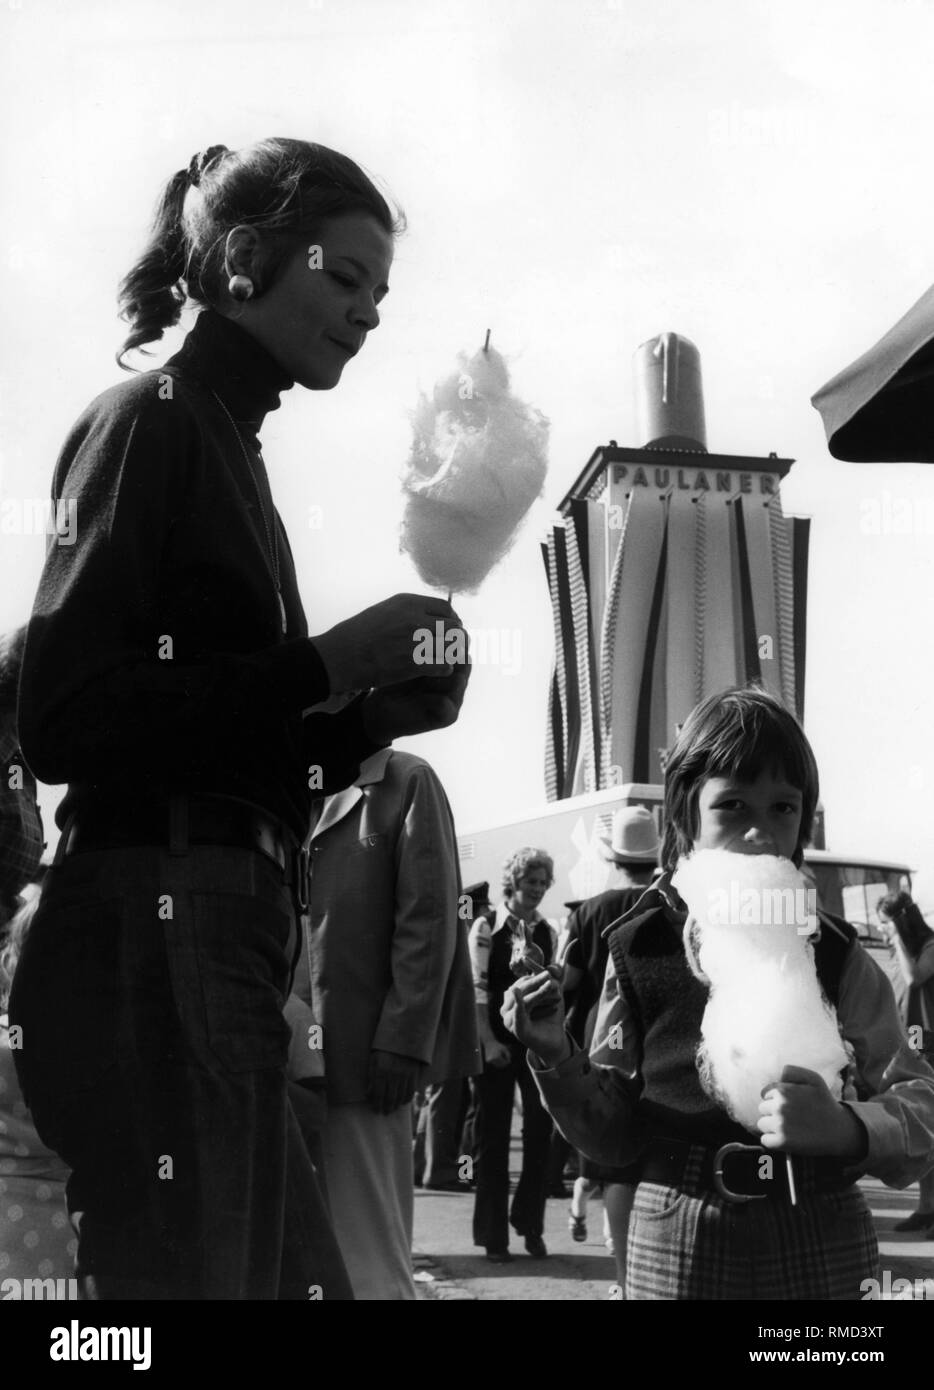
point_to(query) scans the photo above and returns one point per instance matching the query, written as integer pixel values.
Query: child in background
(713, 1221)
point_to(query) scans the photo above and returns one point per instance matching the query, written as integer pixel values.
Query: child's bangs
(743, 753)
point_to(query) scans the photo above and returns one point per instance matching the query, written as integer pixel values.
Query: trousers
(150, 992)
(368, 1168)
(495, 1094)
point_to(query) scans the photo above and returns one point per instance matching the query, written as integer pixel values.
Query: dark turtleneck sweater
(155, 660)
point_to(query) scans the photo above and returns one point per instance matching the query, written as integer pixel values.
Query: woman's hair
(12, 936)
(523, 862)
(285, 188)
(737, 734)
(901, 909)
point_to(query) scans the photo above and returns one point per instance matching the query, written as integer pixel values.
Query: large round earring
(240, 288)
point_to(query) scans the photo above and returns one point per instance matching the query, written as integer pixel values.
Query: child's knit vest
(667, 1003)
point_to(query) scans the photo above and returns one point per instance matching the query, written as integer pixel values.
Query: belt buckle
(303, 875)
(722, 1190)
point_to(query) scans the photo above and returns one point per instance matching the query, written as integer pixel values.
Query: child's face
(760, 817)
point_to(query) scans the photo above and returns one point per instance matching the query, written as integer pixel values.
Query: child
(713, 1220)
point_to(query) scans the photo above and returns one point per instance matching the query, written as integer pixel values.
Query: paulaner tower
(673, 574)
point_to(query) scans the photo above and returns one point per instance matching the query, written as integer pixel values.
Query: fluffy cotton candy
(478, 462)
(766, 1010)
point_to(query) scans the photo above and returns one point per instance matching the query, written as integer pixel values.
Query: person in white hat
(632, 850)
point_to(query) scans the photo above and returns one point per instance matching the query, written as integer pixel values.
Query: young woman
(527, 876)
(168, 678)
(912, 944)
(712, 1220)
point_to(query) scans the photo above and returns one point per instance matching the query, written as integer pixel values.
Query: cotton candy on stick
(478, 462)
(749, 927)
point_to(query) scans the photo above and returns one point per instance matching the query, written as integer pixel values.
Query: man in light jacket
(387, 974)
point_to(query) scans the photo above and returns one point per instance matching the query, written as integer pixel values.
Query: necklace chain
(272, 540)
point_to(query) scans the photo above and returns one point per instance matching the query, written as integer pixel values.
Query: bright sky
(578, 175)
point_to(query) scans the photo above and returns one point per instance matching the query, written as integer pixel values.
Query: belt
(191, 820)
(739, 1172)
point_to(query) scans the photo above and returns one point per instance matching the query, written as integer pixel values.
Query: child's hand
(534, 1011)
(799, 1115)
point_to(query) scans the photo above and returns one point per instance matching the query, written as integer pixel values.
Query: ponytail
(283, 187)
(150, 297)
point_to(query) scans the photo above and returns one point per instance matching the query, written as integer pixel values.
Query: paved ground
(449, 1266)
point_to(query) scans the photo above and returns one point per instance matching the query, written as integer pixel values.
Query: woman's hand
(414, 707)
(544, 1035)
(404, 637)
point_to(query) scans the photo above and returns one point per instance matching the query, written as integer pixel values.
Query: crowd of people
(252, 948)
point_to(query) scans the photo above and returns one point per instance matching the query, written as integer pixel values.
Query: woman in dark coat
(168, 678)
(912, 944)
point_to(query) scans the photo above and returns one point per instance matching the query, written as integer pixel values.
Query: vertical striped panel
(623, 670)
(560, 722)
(590, 530)
(599, 590)
(759, 548)
(720, 624)
(783, 584)
(584, 774)
(554, 744)
(680, 604)
(801, 533)
(554, 751)
(748, 647)
(700, 597)
(608, 649)
(644, 755)
(659, 718)
(572, 687)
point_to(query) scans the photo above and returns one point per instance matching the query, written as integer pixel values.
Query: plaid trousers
(686, 1243)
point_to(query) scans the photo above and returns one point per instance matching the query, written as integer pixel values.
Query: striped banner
(801, 536)
(747, 618)
(783, 578)
(700, 595)
(608, 650)
(759, 556)
(679, 675)
(644, 748)
(554, 735)
(565, 630)
(583, 772)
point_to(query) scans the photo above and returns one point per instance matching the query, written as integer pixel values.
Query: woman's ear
(243, 255)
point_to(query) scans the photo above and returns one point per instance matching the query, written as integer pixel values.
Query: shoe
(577, 1225)
(498, 1257)
(917, 1221)
(536, 1247)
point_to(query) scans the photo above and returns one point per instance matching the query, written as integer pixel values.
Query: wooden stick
(789, 1169)
(486, 345)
